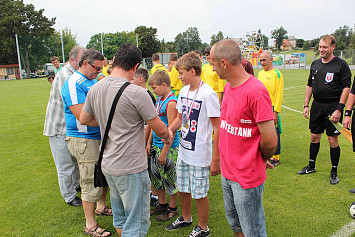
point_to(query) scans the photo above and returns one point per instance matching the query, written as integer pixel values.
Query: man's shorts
(86, 152)
(319, 118)
(192, 179)
(163, 177)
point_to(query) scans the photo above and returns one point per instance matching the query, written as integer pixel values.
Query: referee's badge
(329, 77)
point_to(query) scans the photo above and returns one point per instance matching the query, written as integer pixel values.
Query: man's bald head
(227, 49)
(267, 55)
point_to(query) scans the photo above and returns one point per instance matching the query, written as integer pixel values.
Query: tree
(266, 41)
(307, 45)
(215, 38)
(111, 42)
(279, 34)
(193, 38)
(171, 46)
(147, 40)
(23, 20)
(343, 36)
(299, 43)
(55, 44)
(182, 46)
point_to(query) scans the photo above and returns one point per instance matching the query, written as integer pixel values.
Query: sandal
(96, 231)
(105, 212)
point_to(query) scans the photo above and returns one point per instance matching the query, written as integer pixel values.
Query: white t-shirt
(196, 136)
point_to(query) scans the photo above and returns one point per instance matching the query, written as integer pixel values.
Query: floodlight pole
(137, 39)
(18, 56)
(61, 38)
(102, 45)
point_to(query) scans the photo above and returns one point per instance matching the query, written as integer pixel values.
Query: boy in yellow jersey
(176, 83)
(106, 66)
(208, 75)
(156, 64)
(274, 83)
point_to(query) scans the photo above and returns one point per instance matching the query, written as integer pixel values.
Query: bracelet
(305, 106)
(348, 113)
(340, 107)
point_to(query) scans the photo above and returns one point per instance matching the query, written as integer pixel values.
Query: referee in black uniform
(329, 82)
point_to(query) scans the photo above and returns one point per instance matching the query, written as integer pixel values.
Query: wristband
(348, 113)
(305, 106)
(340, 107)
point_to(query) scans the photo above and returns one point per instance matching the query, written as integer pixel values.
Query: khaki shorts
(86, 151)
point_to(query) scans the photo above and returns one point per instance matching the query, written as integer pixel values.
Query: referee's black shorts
(319, 118)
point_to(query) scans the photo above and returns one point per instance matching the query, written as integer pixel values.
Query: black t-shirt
(329, 79)
(353, 87)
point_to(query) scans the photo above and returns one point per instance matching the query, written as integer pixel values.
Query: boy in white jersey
(198, 115)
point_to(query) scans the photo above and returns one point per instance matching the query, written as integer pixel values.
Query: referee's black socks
(313, 152)
(334, 157)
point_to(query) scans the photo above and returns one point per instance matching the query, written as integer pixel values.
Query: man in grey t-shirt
(124, 160)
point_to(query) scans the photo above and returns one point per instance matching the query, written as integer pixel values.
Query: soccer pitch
(295, 205)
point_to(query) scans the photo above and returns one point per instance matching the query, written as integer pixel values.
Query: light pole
(102, 45)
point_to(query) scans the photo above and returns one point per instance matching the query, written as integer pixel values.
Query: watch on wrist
(305, 106)
(348, 113)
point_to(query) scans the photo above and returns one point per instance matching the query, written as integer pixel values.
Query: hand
(215, 168)
(147, 149)
(336, 116)
(169, 140)
(162, 159)
(306, 112)
(276, 117)
(269, 165)
(347, 122)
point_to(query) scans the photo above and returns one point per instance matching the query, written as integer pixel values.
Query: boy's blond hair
(189, 61)
(158, 78)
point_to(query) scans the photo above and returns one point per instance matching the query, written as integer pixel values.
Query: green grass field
(295, 205)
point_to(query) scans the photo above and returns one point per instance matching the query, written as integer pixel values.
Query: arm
(268, 141)
(215, 168)
(279, 95)
(149, 141)
(307, 98)
(349, 106)
(159, 127)
(176, 123)
(171, 113)
(87, 119)
(344, 96)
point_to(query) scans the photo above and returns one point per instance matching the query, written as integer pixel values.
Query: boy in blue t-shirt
(163, 156)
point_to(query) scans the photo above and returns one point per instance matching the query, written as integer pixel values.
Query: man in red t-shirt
(247, 141)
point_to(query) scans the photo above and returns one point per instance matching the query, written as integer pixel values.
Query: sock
(277, 157)
(334, 157)
(173, 209)
(313, 152)
(164, 205)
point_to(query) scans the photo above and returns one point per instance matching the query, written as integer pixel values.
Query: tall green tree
(23, 20)
(182, 46)
(148, 41)
(299, 43)
(215, 38)
(55, 44)
(279, 34)
(111, 42)
(265, 41)
(307, 45)
(193, 38)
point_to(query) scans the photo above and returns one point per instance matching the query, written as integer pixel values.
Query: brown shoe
(167, 215)
(158, 210)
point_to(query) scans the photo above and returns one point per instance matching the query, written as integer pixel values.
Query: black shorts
(319, 118)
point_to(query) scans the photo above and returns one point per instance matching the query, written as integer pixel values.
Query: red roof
(10, 65)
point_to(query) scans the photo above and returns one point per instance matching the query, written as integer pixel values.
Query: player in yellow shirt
(208, 75)
(106, 66)
(176, 83)
(274, 83)
(156, 64)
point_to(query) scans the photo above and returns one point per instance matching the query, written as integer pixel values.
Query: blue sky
(302, 18)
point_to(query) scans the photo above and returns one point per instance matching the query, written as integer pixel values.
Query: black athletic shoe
(76, 202)
(199, 232)
(334, 179)
(352, 190)
(307, 170)
(178, 223)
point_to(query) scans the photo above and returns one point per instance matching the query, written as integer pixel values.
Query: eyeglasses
(96, 68)
(261, 60)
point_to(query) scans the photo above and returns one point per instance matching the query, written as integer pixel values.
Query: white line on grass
(293, 87)
(291, 109)
(346, 231)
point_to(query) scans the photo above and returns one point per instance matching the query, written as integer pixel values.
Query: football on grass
(352, 209)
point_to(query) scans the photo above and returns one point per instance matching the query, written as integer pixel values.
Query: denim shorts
(244, 208)
(192, 179)
(130, 201)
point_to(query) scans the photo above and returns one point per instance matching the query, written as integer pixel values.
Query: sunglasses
(261, 60)
(96, 68)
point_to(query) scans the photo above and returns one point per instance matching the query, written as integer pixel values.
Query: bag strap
(108, 125)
